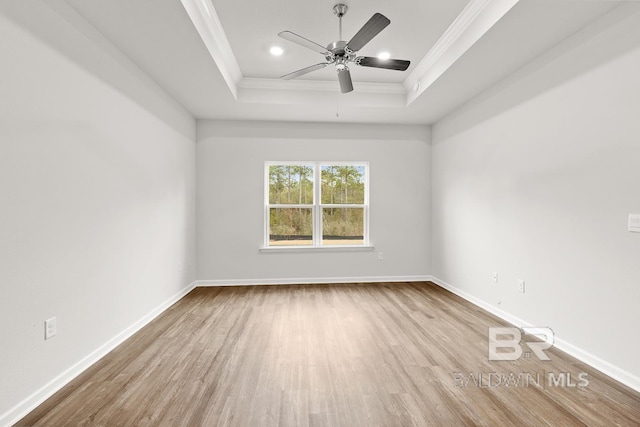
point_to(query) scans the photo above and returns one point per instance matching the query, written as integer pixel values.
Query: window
(313, 204)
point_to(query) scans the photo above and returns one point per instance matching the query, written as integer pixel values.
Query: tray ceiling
(213, 57)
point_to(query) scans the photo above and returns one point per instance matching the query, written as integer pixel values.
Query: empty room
(319, 213)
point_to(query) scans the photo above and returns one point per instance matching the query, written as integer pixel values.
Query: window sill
(315, 249)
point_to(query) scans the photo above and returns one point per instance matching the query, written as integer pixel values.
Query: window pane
(343, 226)
(290, 226)
(291, 184)
(342, 184)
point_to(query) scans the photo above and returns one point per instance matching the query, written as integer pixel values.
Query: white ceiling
(251, 31)
(212, 55)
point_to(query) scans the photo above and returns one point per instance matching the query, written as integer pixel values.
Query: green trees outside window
(301, 213)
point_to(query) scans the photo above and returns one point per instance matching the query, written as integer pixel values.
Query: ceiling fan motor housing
(338, 52)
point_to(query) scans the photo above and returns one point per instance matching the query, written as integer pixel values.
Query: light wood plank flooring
(387, 354)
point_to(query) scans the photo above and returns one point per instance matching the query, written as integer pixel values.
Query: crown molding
(318, 85)
(475, 20)
(478, 17)
(205, 19)
(322, 92)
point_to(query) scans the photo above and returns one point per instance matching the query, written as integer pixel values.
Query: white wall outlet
(380, 257)
(50, 328)
(521, 286)
(634, 223)
(494, 276)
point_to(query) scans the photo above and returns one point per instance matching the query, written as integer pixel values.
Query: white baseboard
(34, 400)
(30, 403)
(480, 303)
(603, 366)
(595, 362)
(312, 280)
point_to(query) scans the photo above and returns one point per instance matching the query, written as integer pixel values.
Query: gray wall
(97, 187)
(231, 158)
(535, 179)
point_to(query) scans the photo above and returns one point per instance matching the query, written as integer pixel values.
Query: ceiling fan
(341, 53)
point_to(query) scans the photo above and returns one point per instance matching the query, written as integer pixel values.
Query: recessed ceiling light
(276, 50)
(384, 55)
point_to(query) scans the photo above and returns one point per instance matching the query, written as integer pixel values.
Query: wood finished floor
(325, 355)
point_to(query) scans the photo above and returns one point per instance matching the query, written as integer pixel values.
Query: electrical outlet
(495, 277)
(380, 257)
(50, 328)
(521, 286)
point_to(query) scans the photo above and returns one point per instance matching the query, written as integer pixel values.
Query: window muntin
(316, 204)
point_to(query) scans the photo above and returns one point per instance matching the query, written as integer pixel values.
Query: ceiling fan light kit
(341, 53)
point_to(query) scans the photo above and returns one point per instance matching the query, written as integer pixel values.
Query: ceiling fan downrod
(340, 10)
(338, 54)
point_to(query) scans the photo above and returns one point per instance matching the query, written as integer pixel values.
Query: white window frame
(317, 207)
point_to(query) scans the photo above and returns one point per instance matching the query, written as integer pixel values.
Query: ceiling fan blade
(389, 64)
(377, 23)
(304, 71)
(293, 37)
(344, 77)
